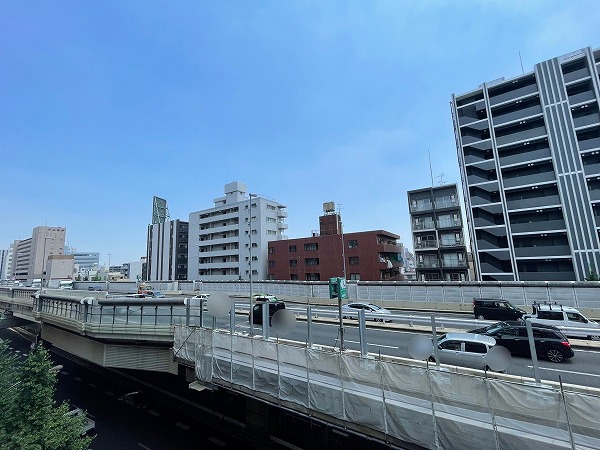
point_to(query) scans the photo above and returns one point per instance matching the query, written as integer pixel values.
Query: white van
(567, 319)
(65, 284)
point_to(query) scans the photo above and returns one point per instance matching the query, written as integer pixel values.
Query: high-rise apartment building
(529, 155)
(437, 229)
(167, 251)
(230, 240)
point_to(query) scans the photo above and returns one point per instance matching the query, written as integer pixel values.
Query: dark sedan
(550, 342)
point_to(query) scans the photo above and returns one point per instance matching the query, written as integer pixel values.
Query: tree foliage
(592, 276)
(29, 416)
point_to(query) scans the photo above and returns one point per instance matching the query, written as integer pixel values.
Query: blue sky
(105, 104)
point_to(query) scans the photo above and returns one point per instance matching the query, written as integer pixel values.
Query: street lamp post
(250, 197)
(108, 274)
(44, 262)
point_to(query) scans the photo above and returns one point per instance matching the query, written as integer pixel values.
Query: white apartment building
(230, 240)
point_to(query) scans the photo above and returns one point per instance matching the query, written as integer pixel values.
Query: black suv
(550, 342)
(257, 315)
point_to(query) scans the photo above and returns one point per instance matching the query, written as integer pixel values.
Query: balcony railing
(449, 223)
(430, 243)
(452, 243)
(454, 263)
(446, 203)
(429, 225)
(421, 206)
(428, 264)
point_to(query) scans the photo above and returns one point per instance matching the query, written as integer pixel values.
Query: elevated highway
(403, 403)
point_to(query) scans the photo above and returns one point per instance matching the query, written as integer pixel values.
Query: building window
(271, 250)
(293, 263)
(354, 260)
(313, 246)
(292, 249)
(271, 263)
(311, 261)
(313, 277)
(294, 276)
(355, 276)
(353, 243)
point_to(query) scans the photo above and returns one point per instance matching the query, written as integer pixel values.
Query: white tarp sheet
(424, 406)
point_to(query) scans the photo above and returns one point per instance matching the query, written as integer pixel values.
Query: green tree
(592, 276)
(29, 415)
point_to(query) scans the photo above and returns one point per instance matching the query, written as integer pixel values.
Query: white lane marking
(62, 372)
(143, 446)
(153, 413)
(568, 371)
(78, 379)
(374, 345)
(182, 425)
(216, 441)
(585, 351)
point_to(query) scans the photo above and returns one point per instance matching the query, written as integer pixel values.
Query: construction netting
(413, 403)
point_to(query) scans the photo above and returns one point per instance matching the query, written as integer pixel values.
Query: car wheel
(594, 337)
(431, 359)
(555, 355)
(480, 317)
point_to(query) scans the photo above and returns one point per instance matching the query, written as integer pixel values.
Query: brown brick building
(369, 255)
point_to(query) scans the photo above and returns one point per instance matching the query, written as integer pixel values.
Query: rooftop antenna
(430, 171)
(521, 59)
(441, 177)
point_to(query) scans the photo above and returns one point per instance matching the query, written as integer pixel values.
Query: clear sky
(105, 104)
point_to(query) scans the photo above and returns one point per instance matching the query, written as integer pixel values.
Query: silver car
(372, 312)
(464, 349)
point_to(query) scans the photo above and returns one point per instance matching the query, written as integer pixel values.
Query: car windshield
(495, 327)
(375, 307)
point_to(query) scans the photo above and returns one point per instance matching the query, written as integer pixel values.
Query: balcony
(513, 94)
(540, 226)
(282, 214)
(447, 243)
(219, 265)
(535, 202)
(282, 226)
(585, 120)
(428, 225)
(589, 144)
(576, 75)
(525, 157)
(454, 263)
(545, 276)
(446, 203)
(486, 244)
(546, 250)
(429, 244)
(528, 179)
(216, 217)
(449, 223)
(591, 169)
(594, 195)
(517, 115)
(421, 206)
(521, 134)
(428, 264)
(581, 97)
